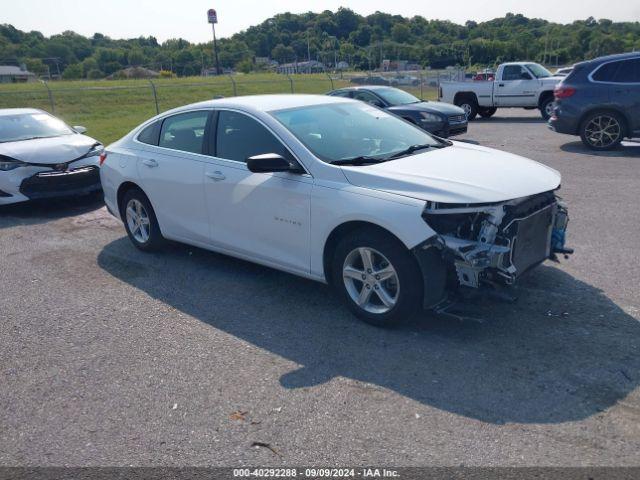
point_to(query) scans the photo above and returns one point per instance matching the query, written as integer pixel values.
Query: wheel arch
(467, 94)
(608, 108)
(339, 232)
(543, 97)
(122, 191)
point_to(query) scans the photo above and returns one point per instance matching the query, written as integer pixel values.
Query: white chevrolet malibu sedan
(337, 191)
(43, 157)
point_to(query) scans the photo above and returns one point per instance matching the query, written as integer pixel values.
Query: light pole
(213, 19)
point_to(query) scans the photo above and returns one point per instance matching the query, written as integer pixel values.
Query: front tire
(140, 221)
(377, 277)
(602, 130)
(546, 108)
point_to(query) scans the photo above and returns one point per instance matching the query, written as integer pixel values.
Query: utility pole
(213, 19)
(308, 48)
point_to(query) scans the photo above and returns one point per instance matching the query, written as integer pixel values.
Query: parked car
(484, 77)
(516, 85)
(441, 119)
(371, 80)
(404, 80)
(563, 72)
(337, 191)
(43, 157)
(600, 101)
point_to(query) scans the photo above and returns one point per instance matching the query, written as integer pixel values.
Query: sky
(165, 19)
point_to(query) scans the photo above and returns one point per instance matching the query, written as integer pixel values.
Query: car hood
(439, 107)
(48, 151)
(461, 173)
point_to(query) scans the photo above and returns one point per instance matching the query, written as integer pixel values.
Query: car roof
(266, 103)
(366, 87)
(617, 56)
(18, 111)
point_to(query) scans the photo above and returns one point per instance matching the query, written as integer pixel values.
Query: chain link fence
(109, 109)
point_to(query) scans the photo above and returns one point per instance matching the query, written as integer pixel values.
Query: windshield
(395, 96)
(539, 71)
(341, 131)
(26, 126)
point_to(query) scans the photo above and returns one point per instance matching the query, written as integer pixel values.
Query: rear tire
(470, 106)
(377, 277)
(487, 112)
(140, 221)
(602, 130)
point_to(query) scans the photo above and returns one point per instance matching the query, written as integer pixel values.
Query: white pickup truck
(516, 85)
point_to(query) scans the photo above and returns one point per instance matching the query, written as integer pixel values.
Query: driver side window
(239, 137)
(515, 72)
(368, 98)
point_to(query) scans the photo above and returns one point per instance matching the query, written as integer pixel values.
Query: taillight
(563, 92)
(103, 157)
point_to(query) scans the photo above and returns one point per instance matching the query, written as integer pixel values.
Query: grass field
(110, 109)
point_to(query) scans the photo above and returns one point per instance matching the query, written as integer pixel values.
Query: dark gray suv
(600, 101)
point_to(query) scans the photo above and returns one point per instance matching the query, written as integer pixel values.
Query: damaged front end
(498, 242)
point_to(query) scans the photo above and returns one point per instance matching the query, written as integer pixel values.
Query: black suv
(442, 119)
(600, 101)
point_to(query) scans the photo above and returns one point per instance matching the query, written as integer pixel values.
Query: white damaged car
(42, 157)
(338, 191)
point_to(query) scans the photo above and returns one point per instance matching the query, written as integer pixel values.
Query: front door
(517, 88)
(265, 216)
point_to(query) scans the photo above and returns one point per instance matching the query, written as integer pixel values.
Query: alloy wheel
(138, 221)
(548, 109)
(467, 109)
(603, 130)
(370, 280)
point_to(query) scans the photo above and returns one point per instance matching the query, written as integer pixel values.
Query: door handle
(501, 84)
(217, 175)
(149, 162)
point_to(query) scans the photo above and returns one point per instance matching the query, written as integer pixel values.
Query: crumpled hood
(440, 107)
(461, 173)
(49, 151)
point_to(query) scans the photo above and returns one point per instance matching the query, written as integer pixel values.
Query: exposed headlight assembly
(95, 150)
(430, 117)
(8, 163)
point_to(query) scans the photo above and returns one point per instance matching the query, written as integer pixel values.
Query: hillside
(329, 37)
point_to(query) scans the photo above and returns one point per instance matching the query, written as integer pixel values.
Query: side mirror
(270, 162)
(80, 129)
(525, 76)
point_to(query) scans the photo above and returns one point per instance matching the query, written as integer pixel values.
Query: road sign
(212, 15)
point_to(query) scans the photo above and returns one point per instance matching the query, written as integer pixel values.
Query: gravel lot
(109, 356)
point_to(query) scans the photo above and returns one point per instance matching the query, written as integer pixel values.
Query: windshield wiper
(411, 149)
(360, 160)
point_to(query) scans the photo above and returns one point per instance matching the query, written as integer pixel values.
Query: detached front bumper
(510, 241)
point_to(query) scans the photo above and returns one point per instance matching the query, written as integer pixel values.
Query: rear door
(517, 87)
(265, 216)
(625, 91)
(172, 176)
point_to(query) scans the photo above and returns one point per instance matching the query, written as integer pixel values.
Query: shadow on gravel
(564, 352)
(42, 211)
(627, 149)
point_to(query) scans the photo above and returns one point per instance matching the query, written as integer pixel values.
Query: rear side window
(150, 134)
(628, 72)
(606, 72)
(240, 137)
(184, 132)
